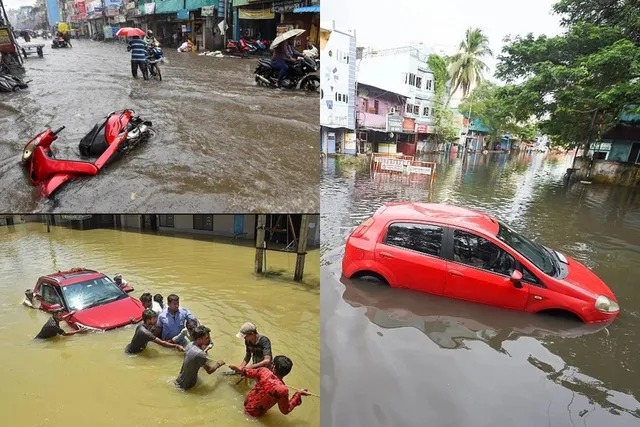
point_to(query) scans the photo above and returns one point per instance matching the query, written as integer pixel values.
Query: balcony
(370, 120)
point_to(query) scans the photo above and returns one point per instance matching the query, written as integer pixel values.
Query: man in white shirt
(147, 301)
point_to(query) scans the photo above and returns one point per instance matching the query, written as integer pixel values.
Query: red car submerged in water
(465, 254)
(94, 299)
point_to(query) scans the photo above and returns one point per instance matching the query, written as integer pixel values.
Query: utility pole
(302, 248)
(260, 244)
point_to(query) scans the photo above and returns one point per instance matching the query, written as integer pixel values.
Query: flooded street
(222, 144)
(397, 357)
(88, 379)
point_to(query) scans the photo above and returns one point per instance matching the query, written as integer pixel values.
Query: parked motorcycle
(299, 76)
(114, 136)
(59, 42)
(11, 83)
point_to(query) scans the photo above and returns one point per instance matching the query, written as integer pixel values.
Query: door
(47, 295)
(413, 251)
(238, 224)
(481, 271)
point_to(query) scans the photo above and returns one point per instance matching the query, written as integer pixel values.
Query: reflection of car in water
(465, 254)
(93, 298)
(448, 322)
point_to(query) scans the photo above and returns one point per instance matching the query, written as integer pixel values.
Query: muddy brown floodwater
(87, 379)
(397, 357)
(222, 145)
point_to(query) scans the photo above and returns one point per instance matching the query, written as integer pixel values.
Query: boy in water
(52, 327)
(158, 298)
(143, 335)
(196, 358)
(270, 388)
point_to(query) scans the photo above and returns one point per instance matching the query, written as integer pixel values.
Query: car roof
(442, 214)
(75, 275)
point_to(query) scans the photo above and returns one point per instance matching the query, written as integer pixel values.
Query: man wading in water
(270, 388)
(52, 327)
(195, 358)
(143, 335)
(257, 347)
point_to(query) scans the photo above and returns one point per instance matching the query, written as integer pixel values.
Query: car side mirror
(516, 279)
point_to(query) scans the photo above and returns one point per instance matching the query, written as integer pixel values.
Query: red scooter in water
(109, 139)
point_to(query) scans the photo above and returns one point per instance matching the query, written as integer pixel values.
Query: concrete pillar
(302, 248)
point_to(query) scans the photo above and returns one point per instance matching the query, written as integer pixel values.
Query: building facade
(379, 118)
(405, 72)
(337, 91)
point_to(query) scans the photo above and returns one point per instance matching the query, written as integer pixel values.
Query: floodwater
(223, 144)
(397, 357)
(87, 379)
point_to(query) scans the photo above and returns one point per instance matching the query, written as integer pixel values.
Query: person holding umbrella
(138, 49)
(281, 54)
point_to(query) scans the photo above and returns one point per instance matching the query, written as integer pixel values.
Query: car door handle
(386, 255)
(456, 273)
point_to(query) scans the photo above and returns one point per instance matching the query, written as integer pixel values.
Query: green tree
(443, 118)
(492, 104)
(623, 14)
(466, 67)
(564, 80)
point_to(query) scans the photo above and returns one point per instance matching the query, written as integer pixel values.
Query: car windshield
(532, 251)
(91, 293)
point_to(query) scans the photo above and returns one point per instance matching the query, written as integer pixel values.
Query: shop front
(407, 138)
(96, 19)
(254, 19)
(306, 15)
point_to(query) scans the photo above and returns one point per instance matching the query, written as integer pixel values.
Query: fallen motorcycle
(11, 83)
(114, 136)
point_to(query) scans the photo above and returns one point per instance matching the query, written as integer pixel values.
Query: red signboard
(6, 41)
(408, 125)
(422, 129)
(82, 8)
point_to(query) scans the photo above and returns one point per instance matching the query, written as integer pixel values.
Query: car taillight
(362, 228)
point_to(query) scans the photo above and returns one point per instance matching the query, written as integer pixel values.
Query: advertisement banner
(149, 8)
(183, 14)
(408, 125)
(82, 9)
(112, 4)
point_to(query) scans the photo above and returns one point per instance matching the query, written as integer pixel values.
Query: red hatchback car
(96, 301)
(465, 254)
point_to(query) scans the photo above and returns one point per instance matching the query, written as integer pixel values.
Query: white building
(337, 89)
(403, 71)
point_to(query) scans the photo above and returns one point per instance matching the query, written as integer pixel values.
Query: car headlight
(605, 305)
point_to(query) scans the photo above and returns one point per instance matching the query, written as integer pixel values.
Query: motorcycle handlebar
(57, 131)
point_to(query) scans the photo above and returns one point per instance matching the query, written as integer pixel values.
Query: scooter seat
(265, 63)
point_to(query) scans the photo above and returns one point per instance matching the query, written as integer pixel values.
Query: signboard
(601, 146)
(6, 43)
(112, 4)
(350, 142)
(107, 31)
(394, 123)
(421, 128)
(285, 6)
(207, 11)
(82, 9)
(183, 14)
(132, 5)
(408, 125)
(149, 8)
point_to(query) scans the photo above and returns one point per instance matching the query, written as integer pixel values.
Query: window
(49, 295)
(528, 277)
(166, 221)
(478, 252)
(416, 237)
(371, 108)
(409, 108)
(425, 112)
(203, 222)
(428, 84)
(342, 97)
(410, 79)
(419, 82)
(416, 109)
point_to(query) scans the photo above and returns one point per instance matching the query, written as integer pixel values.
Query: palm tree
(466, 67)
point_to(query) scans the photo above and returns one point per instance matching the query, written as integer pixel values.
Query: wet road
(396, 357)
(223, 144)
(88, 380)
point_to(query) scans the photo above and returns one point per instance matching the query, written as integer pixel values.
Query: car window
(527, 276)
(417, 237)
(49, 295)
(478, 252)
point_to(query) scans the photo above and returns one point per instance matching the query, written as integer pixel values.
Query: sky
(15, 4)
(440, 24)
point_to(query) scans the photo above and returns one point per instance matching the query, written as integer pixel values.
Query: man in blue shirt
(171, 319)
(138, 49)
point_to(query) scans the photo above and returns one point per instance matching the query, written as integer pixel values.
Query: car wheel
(368, 276)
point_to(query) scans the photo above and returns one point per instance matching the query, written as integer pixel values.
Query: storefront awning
(307, 9)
